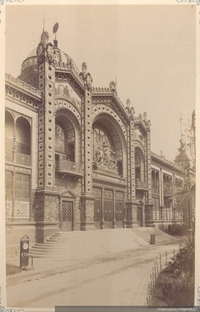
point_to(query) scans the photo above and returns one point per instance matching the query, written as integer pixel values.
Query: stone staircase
(86, 245)
(160, 237)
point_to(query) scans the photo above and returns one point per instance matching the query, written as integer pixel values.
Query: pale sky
(149, 49)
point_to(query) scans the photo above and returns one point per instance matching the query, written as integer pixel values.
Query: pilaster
(149, 163)
(46, 209)
(87, 199)
(131, 207)
(131, 214)
(46, 127)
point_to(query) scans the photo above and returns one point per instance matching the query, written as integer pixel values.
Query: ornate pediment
(68, 193)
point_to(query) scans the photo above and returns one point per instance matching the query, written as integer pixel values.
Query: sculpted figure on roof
(86, 77)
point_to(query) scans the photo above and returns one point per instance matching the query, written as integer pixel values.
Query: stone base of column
(118, 224)
(45, 212)
(131, 216)
(44, 230)
(87, 213)
(148, 215)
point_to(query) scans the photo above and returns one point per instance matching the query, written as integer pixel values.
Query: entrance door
(139, 216)
(67, 216)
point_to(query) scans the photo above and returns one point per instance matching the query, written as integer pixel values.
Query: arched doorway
(68, 166)
(109, 162)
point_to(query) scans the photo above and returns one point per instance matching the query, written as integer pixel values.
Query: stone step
(79, 244)
(160, 236)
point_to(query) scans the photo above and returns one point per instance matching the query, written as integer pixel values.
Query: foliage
(174, 286)
(176, 229)
(182, 159)
(186, 159)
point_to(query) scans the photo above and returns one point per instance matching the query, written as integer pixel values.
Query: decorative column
(131, 204)
(87, 197)
(102, 208)
(148, 203)
(46, 204)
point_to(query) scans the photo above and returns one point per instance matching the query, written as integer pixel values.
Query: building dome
(32, 53)
(62, 59)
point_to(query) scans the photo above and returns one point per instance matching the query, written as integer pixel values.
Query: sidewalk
(49, 267)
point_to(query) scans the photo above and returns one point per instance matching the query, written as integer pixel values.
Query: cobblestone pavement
(113, 279)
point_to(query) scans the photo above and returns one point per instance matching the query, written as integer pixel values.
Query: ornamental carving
(62, 90)
(50, 55)
(112, 86)
(130, 110)
(108, 195)
(86, 77)
(104, 154)
(40, 53)
(45, 50)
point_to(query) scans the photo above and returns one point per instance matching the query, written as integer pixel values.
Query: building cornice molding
(22, 87)
(157, 159)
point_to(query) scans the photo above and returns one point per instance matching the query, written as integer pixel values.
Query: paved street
(113, 279)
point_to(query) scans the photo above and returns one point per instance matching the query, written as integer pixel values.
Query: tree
(186, 159)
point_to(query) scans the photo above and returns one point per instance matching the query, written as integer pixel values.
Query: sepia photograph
(99, 131)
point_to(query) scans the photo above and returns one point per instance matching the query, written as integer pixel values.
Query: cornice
(23, 87)
(166, 163)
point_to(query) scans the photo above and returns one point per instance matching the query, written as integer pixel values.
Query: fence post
(166, 257)
(157, 262)
(160, 262)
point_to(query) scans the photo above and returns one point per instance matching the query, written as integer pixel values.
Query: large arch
(62, 104)
(67, 135)
(109, 144)
(99, 109)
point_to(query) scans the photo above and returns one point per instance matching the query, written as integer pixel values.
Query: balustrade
(141, 185)
(67, 166)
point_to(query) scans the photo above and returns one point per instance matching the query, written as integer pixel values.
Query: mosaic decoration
(21, 210)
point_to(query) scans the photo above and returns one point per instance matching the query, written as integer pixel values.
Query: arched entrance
(68, 166)
(109, 165)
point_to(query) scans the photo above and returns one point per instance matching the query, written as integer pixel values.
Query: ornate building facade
(76, 157)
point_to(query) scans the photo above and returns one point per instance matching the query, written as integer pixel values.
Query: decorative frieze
(17, 169)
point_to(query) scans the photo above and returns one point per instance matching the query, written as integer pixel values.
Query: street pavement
(113, 278)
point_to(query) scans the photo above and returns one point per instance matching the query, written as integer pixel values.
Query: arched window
(23, 136)
(139, 165)
(9, 131)
(64, 141)
(59, 139)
